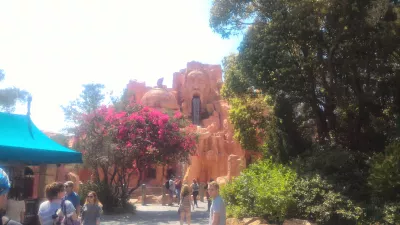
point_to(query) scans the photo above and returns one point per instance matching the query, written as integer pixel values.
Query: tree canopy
(328, 74)
(90, 99)
(122, 144)
(10, 96)
(337, 60)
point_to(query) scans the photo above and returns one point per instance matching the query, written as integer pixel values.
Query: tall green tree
(10, 96)
(89, 100)
(338, 61)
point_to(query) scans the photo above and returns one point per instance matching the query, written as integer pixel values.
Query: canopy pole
(28, 113)
(29, 106)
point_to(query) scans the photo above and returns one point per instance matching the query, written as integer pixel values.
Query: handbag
(68, 220)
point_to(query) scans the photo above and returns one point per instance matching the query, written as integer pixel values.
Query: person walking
(178, 186)
(208, 196)
(171, 190)
(72, 196)
(217, 211)
(4, 189)
(184, 205)
(195, 191)
(91, 210)
(50, 211)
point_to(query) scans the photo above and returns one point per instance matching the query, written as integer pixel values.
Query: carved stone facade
(196, 93)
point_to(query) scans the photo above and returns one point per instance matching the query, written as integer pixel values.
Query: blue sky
(50, 48)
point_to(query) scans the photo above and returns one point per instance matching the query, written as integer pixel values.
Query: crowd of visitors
(63, 206)
(187, 196)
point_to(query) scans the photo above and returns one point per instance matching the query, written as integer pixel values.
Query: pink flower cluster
(144, 135)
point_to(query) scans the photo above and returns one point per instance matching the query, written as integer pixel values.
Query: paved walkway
(157, 215)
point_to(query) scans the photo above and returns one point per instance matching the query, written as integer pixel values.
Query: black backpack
(167, 184)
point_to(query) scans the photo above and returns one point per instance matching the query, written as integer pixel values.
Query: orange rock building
(196, 93)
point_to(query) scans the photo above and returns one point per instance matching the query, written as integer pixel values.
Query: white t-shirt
(171, 185)
(48, 209)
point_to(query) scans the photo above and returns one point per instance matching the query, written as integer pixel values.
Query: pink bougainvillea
(133, 139)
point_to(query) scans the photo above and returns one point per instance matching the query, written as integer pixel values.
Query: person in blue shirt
(4, 188)
(72, 196)
(217, 211)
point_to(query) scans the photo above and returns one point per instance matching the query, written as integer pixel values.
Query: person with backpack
(4, 189)
(56, 210)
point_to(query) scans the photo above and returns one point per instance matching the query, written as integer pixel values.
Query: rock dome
(160, 98)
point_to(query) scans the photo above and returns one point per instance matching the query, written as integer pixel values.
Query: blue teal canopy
(21, 141)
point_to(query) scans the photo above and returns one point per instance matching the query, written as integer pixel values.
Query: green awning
(21, 141)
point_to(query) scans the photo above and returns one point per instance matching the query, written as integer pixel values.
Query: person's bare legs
(188, 217)
(171, 197)
(182, 217)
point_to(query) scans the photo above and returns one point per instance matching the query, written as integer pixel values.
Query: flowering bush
(124, 143)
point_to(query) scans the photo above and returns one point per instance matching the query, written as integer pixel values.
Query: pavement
(157, 215)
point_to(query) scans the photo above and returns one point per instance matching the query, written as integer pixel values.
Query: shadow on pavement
(155, 217)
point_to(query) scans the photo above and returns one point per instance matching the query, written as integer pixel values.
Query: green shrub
(391, 213)
(384, 178)
(275, 192)
(316, 200)
(345, 170)
(265, 190)
(110, 203)
(384, 183)
(85, 188)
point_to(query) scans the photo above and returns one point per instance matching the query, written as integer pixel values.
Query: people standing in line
(178, 186)
(4, 189)
(171, 190)
(48, 210)
(195, 191)
(184, 205)
(72, 196)
(217, 211)
(91, 210)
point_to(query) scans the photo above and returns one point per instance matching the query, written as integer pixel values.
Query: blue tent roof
(21, 141)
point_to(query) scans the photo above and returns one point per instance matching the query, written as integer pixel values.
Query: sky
(50, 48)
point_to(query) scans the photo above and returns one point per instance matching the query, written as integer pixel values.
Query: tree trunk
(138, 183)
